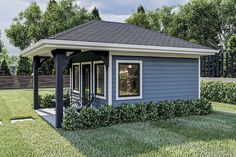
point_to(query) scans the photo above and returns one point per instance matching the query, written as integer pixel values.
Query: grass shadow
(157, 137)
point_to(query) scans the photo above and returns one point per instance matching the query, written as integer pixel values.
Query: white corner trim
(140, 62)
(46, 45)
(72, 81)
(105, 80)
(199, 77)
(110, 79)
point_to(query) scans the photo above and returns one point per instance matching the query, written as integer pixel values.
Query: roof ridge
(71, 29)
(163, 34)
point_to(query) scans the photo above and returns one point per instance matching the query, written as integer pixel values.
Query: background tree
(96, 14)
(232, 43)
(139, 18)
(24, 66)
(4, 68)
(32, 24)
(227, 20)
(140, 9)
(207, 22)
(197, 20)
(1, 44)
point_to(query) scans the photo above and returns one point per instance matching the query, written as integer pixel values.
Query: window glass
(99, 80)
(76, 77)
(129, 79)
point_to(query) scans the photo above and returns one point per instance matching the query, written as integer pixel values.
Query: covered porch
(88, 75)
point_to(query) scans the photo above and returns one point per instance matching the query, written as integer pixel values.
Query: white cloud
(114, 17)
(90, 4)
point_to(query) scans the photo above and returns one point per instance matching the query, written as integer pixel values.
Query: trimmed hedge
(71, 119)
(91, 117)
(48, 101)
(218, 91)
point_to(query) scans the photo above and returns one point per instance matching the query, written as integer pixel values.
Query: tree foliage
(197, 20)
(141, 9)
(139, 18)
(32, 24)
(24, 66)
(5, 68)
(1, 44)
(232, 43)
(208, 22)
(96, 14)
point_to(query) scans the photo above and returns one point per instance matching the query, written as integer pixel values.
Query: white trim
(105, 74)
(151, 54)
(199, 77)
(46, 45)
(72, 79)
(110, 79)
(91, 75)
(141, 80)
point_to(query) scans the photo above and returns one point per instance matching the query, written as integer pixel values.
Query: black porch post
(36, 62)
(60, 61)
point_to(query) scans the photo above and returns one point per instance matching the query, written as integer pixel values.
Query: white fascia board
(47, 45)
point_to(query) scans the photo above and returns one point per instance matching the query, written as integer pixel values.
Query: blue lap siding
(163, 79)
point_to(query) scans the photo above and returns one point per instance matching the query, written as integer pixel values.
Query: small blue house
(120, 63)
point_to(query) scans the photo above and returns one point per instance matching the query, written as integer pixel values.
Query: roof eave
(49, 44)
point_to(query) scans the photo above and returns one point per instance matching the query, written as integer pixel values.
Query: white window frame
(72, 83)
(90, 64)
(141, 79)
(105, 74)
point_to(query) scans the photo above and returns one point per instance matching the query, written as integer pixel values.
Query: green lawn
(212, 135)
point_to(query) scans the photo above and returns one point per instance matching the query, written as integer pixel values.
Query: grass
(212, 135)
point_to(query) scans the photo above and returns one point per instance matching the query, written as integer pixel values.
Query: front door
(86, 86)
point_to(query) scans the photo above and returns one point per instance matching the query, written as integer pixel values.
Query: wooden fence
(222, 64)
(26, 82)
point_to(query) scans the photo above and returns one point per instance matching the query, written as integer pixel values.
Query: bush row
(48, 100)
(90, 118)
(219, 91)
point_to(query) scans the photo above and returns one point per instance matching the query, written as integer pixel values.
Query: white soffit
(44, 47)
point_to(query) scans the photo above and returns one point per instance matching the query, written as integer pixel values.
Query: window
(76, 77)
(129, 85)
(99, 79)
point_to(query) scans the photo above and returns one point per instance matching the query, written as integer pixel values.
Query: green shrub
(183, 108)
(48, 101)
(70, 119)
(219, 91)
(141, 113)
(91, 117)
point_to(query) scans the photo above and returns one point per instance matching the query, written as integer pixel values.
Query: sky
(110, 10)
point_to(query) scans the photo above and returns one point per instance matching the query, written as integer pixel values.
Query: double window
(129, 83)
(76, 77)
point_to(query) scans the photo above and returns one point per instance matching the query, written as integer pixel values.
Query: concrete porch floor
(48, 114)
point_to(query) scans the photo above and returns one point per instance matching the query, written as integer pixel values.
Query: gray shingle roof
(121, 33)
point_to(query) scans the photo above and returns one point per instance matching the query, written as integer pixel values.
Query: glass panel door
(86, 86)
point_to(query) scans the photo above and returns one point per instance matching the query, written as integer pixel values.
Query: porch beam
(36, 64)
(60, 61)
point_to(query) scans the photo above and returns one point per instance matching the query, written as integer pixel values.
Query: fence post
(217, 65)
(208, 66)
(222, 64)
(232, 64)
(213, 65)
(204, 66)
(227, 64)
